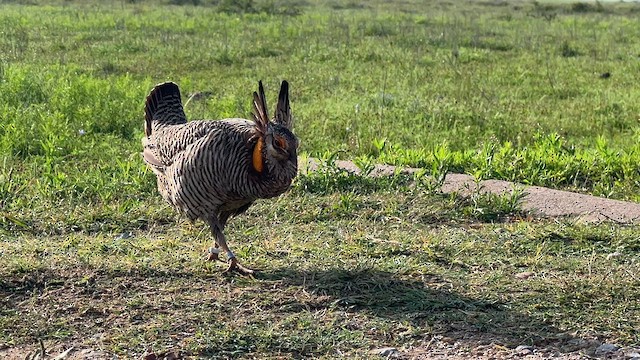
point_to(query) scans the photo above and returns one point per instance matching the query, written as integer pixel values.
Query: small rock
(524, 275)
(124, 235)
(578, 344)
(613, 255)
(386, 352)
(606, 349)
(633, 356)
(92, 354)
(524, 350)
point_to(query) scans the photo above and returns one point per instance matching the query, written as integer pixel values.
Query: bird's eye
(280, 142)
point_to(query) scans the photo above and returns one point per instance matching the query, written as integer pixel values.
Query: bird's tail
(163, 107)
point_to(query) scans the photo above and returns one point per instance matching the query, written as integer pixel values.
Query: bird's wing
(164, 145)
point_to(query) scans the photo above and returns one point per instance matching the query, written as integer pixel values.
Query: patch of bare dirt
(449, 348)
(56, 352)
(441, 347)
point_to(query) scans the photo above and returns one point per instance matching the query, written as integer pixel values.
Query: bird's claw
(235, 266)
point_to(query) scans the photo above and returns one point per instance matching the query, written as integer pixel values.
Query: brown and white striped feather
(206, 167)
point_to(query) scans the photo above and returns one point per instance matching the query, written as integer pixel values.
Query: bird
(215, 169)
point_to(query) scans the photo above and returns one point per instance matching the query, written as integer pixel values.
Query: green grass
(498, 90)
(341, 273)
(473, 76)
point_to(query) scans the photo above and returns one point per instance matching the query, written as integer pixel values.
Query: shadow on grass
(422, 302)
(425, 302)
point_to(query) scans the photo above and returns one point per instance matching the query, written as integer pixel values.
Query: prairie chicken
(212, 170)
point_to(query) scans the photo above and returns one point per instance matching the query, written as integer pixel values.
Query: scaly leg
(216, 229)
(217, 223)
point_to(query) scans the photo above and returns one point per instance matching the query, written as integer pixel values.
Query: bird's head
(280, 149)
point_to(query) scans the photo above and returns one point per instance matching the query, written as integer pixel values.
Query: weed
(490, 207)
(236, 6)
(567, 51)
(366, 165)
(581, 7)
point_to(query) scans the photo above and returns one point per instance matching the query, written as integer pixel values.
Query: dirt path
(540, 201)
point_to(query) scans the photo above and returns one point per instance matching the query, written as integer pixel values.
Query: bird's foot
(212, 254)
(235, 266)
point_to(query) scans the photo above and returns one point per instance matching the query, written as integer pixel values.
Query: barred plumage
(211, 170)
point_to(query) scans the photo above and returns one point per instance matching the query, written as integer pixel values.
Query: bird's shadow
(425, 301)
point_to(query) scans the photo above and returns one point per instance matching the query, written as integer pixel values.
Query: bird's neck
(257, 158)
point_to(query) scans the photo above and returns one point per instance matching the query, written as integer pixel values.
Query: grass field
(538, 93)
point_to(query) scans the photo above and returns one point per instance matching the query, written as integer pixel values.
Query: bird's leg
(220, 241)
(212, 253)
(216, 223)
